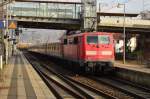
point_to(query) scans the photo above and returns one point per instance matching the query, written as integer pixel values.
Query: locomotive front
(99, 51)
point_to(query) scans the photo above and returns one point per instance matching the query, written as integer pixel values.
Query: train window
(70, 40)
(92, 39)
(75, 40)
(104, 39)
(65, 41)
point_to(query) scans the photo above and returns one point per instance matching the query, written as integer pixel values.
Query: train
(23, 46)
(91, 51)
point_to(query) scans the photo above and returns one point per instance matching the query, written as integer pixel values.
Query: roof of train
(44, 44)
(72, 35)
(86, 33)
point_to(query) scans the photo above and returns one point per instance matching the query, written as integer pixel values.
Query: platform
(19, 80)
(133, 72)
(133, 66)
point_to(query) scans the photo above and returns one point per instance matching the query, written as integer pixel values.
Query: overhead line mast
(89, 15)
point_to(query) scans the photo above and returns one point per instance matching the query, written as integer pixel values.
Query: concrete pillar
(146, 47)
(89, 15)
(140, 48)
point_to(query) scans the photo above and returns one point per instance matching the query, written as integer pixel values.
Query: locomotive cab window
(76, 40)
(65, 41)
(70, 41)
(102, 39)
(92, 39)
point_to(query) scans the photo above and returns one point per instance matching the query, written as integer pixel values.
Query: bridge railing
(46, 10)
(129, 22)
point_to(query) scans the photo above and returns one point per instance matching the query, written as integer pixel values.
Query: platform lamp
(124, 31)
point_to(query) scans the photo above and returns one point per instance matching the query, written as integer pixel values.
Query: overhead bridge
(67, 15)
(115, 23)
(55, 15)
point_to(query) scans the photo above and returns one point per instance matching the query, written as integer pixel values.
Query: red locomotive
(92, 51)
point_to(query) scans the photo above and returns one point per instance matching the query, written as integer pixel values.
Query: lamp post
(124, 32)
(124, 35)
(7, 5)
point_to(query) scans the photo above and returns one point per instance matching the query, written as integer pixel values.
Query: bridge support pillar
(89, 15)
(145, 47)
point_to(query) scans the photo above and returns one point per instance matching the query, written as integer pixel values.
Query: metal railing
(52, 10)
(129, 22)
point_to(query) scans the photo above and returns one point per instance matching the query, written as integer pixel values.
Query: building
(145, 15)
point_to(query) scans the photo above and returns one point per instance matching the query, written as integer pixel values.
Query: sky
(132, 6)
(37, 36)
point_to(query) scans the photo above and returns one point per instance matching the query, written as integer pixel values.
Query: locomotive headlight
(91, 53)
(106, 52)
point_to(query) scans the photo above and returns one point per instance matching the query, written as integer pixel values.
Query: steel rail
(74, 86)
(99, 92)
(48, 79)
(146, 89)
(69, 80)
(73, 83)
(45, 80)
(137, 96)
(63, 87)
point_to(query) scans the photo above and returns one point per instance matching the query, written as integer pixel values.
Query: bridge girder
(120, 30)
(45, 25)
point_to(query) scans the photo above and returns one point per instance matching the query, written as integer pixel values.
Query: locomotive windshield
(104, 39)
(92, 39)
(98, 39)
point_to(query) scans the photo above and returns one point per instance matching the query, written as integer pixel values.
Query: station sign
(12, 24)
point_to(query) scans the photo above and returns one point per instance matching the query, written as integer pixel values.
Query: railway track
(72, 89)
(93, 87)
(137, 91)
(59, 89)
